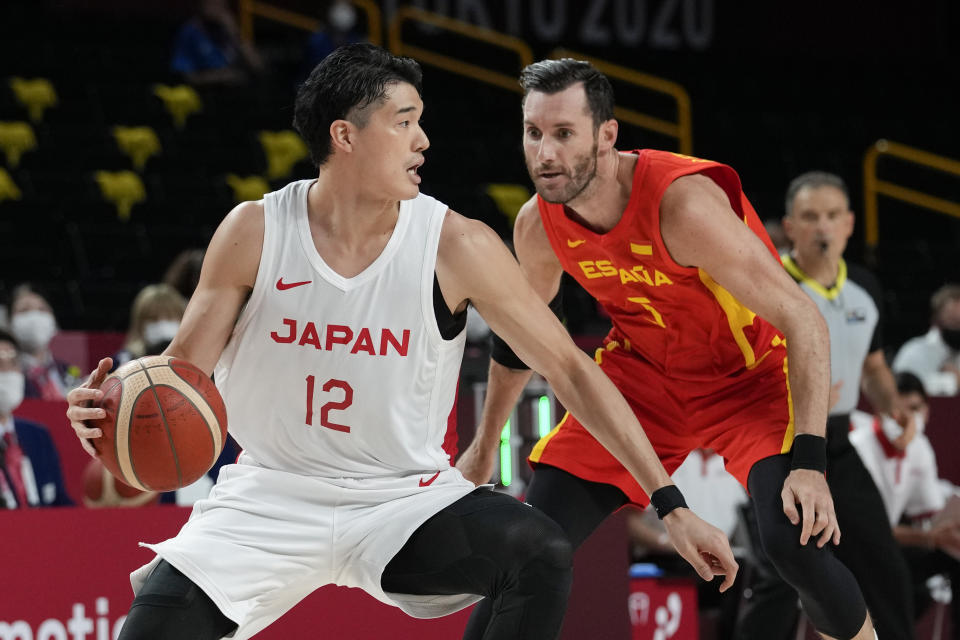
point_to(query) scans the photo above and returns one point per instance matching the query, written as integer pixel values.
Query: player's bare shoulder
(234, 251)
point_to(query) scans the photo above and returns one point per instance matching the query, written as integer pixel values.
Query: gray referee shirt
(851, 308)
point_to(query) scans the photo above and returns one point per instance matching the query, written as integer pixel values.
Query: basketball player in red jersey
(705, 321)
(346, 252)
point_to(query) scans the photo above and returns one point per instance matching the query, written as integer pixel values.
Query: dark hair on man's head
(909, 383)
(342, 87)
(553, 76)
(815, 180)
(6, 336)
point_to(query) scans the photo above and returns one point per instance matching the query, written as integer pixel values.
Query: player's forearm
(808, 371)
(912, 536)
(589, 395)
(504, 386)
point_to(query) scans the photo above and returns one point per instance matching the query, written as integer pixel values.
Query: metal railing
(682, 129)
(413, 14)
(250, 9)
(874, 187)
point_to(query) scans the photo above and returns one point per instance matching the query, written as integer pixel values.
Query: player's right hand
(809, 489)
(79, 409)
(703, 545)
(476, 463)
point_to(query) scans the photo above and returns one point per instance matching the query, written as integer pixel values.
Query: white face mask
(160, 331)
(11, 391)
(342, 16)
(33, 329)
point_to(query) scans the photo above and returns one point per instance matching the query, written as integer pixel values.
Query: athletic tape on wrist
(666, 499)
(809, 452)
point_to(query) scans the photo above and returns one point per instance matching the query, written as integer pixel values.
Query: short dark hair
(6, 336)
(553, 76)
(909, 383)
(814, 180)
(342, 86)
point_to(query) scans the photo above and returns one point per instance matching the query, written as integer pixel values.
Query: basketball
(101, 489)
(165, 425)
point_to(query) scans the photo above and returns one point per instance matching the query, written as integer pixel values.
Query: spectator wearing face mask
(337, 29)
(154, 320)
(904, 468)
(33, 324)
(30, 474)
(935, 357)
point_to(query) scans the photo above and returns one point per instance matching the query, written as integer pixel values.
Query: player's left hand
(704, 546)
(809, 489)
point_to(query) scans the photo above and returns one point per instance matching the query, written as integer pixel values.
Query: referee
(819, 222)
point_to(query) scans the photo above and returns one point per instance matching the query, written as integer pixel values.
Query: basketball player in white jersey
(332, 313)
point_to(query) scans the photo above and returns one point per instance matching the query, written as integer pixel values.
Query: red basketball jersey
(676, 317)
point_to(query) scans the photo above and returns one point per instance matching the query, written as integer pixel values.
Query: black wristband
(666, 499)
(809, 452)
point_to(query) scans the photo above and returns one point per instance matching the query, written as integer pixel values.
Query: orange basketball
(101, 489)
(165, 424)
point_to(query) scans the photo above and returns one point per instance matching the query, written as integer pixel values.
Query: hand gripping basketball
(164, 423)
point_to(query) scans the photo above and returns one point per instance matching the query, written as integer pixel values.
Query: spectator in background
(30, 474)
(904, 468)
(183, 274)
(33, 324)
(208, 48)
(935, 357)
(154, 320)
(337, 29)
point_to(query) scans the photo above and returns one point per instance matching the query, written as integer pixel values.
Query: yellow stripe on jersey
(788, 435)
(801, 276)
(738, 317)
(542, 443)
(645, 249)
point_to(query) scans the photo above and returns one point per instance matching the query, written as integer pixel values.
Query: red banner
(663, 609)
(65, 576)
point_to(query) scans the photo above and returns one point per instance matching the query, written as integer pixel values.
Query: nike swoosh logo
(283, 286)
(427, 483)
(574, 243)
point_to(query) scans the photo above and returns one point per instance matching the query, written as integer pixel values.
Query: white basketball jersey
(342, 377)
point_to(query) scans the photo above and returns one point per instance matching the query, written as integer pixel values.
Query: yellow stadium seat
(249, 188)
(16, 138)
(180, 101)
(139, 143)
(36, 94)
(8, 188)
(283, 150)
(509, 198)
(123, 189)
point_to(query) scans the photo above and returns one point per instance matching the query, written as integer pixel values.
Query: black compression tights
(577, 505)
(827, 589)
(486, 543)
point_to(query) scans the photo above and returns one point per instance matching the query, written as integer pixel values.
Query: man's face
(949, 316)
(559, 143)
(390, 147)
(914, 403)
(29, 301)
(819, 222)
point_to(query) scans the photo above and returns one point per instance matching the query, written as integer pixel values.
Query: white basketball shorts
(265, 539)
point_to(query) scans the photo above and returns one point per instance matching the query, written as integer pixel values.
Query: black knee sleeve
(171, 607)
(828, 590)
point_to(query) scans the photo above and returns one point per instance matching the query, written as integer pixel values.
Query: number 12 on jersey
(325, 410)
